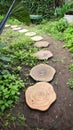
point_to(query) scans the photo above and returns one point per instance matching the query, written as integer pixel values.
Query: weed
(22, 119)
(59, 60)
(39, 129)
(70, 83)
(71, 68)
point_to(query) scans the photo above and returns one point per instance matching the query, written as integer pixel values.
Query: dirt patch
(60, 114)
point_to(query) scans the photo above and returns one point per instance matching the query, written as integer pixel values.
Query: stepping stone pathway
(37, 38)
(40, 96)
(42, 72)
(23, 30)
(43, 54)
(41, 44)
(30, 34)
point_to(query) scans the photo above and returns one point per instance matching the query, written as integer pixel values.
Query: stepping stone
(43, 54)
(41, 44)
(37, 38)
(7, 25)
(30, 34)
(23, 30)
(17, 28)
(40, 96)
(42, 72)
(14, 26)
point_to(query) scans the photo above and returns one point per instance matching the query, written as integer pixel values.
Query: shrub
(43, 7)
(9, 89)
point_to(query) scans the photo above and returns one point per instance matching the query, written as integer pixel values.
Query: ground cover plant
(16, 51)
(9, 89)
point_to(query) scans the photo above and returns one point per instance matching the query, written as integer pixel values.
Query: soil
(60, 114)
(69, 13)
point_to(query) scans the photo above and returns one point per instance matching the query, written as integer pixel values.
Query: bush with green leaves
(43, 7)
(60, 11)
(68, 37)
(19, 11)
(9, 90)
(61, 30)
(55, 28)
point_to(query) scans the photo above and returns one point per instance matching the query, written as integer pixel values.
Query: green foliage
(19, 11)
(43, 7)
(61, 30)
(68, 37)
(70, 83)
(9, 89)
(21, 51)
(39, 129)
(55, 28)
(71, 68)
(60, 11)
(4, 60)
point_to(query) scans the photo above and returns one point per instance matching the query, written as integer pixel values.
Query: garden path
(60, 114)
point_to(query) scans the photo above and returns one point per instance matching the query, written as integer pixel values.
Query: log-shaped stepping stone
(7, 26)
(41, 44)
(43, 54)
(16, 28)
(30, 34)
(23, 30)
(37, 38)
(40, 96)
(42, 72)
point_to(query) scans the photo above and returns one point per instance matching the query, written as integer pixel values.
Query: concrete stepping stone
(37, 38)
(23, 30)
(30, 34)
(43, 54)
(7, 26)
(42, 72)
(40, 96)
(16, 28)
(41, 44)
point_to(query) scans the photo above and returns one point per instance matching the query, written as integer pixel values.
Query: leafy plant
(68, 37)
(39, 129)
(55, 28)
(19, 11)
(4, 60)
(45, 8)
(9, 89)
(70, 83)
(60, 11)
(71, 67)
